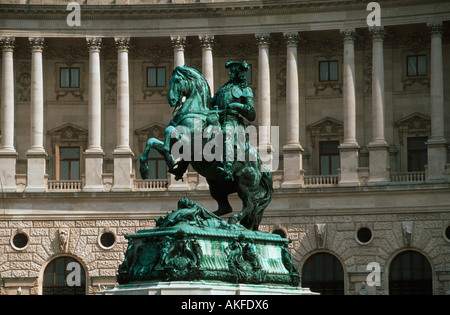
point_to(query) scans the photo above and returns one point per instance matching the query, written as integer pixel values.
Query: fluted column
(36, 162)
(123, 169)
(263, 112)
(94, 154)
(349, 148)
(437, 144)
(8, 154)
(378, 147)
(178, 44)
(292, 150)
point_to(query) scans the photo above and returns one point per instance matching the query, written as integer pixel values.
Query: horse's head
(176, 88)
(186, 82)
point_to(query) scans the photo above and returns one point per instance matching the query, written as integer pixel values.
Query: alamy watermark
(74, 17)
(74, 277)
(374, 277)
(374, 17)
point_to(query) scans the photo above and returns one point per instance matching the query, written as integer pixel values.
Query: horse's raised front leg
(151, 143)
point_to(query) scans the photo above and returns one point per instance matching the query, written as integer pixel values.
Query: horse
(190, 96)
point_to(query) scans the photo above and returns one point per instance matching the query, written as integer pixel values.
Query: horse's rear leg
(220, 194)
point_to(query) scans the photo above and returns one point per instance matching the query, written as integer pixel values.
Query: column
(36, 155)
(207, 42)
(292, 150)
(94, 154)
(263, 112)
(349, 149)
(378, 147)
(123, 168)
(178, 44)
(8, 154)
(436, 144)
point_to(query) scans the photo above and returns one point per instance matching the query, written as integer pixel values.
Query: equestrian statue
(197, 113)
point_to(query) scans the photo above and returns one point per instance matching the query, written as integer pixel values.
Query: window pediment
(326, 129)
(416, 124)
(68, 133)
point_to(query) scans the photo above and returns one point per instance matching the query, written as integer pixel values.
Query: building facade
(362, 172)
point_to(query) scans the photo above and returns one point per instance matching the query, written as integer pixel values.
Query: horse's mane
(199, 82)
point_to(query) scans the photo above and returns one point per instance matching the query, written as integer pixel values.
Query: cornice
(197, 10)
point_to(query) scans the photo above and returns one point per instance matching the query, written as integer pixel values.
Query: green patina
(192, 243)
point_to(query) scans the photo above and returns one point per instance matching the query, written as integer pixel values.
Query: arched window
(410, 274)
(323, 273)
(64, 276)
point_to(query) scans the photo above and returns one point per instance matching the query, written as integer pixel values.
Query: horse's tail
(252, 222)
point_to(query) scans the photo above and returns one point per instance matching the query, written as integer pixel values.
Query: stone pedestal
(36, 169)
(437, 159)
(293, 167)
(203, 288)
(94, 170)
(378, 163)
(349, 154)
(8, 171)
(123, 169)
(177, 185)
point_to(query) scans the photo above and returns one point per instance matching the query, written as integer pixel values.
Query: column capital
(37, 43)
(436, 29)
(348, 35)
(206, 41)
(178, 42)
(377, 33)
(122, 43)
(291, 39)
(7, 43)
(94, 43)
(263, 40)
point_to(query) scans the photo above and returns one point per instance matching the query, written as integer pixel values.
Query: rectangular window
(69, 77)
(156, 166)
(328, 71)
(417, 65)
(69, 162)
(417, 154)
(329, 157)
(156, 76)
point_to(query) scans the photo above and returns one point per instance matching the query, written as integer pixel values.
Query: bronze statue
(194, 113)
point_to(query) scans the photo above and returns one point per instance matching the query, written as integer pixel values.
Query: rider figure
(235, 100)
